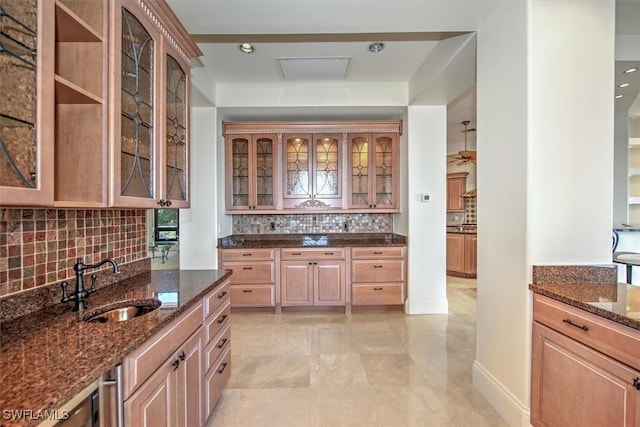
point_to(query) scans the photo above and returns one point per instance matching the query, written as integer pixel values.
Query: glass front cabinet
(251, 170)
(297, 167)
(150, 101)
(373, 171)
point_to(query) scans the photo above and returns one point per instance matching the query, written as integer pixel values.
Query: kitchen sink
(121, 311)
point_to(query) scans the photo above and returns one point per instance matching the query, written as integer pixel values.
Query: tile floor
(367, 369)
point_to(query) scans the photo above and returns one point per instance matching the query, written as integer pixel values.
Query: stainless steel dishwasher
(85, 414)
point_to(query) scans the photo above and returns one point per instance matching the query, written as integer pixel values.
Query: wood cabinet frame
(318, 205)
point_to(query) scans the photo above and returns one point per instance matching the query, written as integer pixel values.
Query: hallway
(367, 369)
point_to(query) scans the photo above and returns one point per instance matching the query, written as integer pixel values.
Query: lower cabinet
(577, 378)
(378, 276)
(313, 277)
(253, 283)
(165, 384)
(462, 254)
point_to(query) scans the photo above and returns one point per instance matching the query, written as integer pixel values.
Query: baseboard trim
(514, 412)
(430, 306)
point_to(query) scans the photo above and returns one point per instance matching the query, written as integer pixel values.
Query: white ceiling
(410, 29)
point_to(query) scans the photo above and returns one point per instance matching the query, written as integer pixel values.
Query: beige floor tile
(365, 369)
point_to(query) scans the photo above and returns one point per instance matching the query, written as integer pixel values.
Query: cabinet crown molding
(237, 128)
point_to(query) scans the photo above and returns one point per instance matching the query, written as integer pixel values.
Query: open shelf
(71, 28)
(70, 93)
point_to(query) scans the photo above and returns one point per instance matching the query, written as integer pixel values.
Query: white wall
(198, 224)
(621, 168)
(426, 173)
(546, 177)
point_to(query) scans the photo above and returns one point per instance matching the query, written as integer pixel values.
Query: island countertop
(49, 356)
(618, 302)
(256, 241)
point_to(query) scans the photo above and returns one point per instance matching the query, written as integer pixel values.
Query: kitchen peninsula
(51, 354)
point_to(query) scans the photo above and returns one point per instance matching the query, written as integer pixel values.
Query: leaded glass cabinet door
(238, 171)
(176, 178)
(384, 165)
(297, 169)
(327, 182)
(359, 171)
(26, 151)
(264, 171)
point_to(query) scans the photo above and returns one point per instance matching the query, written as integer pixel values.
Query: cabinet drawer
(611, 338)
(216, 298)
(312, 254)
(373, 294)
(144, 360)
(216, 322)
(215, 381)
(378, 253)
(217, 346)
(253, 296)
(377, 271)
(248, 254)
(254, 272)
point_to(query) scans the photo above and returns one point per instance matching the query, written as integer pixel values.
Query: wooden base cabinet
(378, 276)
(312, 277)
(462, 254)
(253, 283)
(575, 384)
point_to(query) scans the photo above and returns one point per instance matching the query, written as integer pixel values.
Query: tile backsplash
(313, 223)
(38, 247)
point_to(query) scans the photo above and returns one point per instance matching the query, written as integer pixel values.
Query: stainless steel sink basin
(121, 311)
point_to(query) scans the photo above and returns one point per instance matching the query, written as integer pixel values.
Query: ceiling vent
(314, 68)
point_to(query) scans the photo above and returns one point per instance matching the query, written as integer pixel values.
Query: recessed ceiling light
(376, 47)
(246, 48)
(630, 70)
(623, 85)
(619, 96)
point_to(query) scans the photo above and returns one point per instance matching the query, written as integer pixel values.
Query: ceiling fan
(464, 156)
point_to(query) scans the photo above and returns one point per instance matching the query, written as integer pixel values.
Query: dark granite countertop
(465, 229)
(256, 241)
(49, 356)
(618, 302)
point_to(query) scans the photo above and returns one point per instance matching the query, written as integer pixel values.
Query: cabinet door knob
(636, 383)
(175, 364)
(182, 356)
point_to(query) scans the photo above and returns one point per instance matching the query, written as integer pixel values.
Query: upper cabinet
(312, 166)
(373, 168)
(251, 171)
(95, 104)
(313, 169)
(456, 187)
(26, 110)
(150, 94)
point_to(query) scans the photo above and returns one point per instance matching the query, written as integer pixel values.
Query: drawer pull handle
(377, 289)
(182, 356)
(220, 296)
(377, 253)
(222, 319)
(175, 364)
(247, 268)
(584, 328)
(328, 253)
(221, 370)
(223, 342)
(247, 291)
(246, 254)
(296, 253)
(377, 266)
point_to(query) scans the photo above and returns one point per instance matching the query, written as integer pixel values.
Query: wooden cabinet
(585, 369)
(462, 254)
(167, 380)
(253, 283)
(150, 98)
(312, 277)
(373, 171)
(456, 187)
(378, 275)
(163, 377)
(312, 166)
(251, 170)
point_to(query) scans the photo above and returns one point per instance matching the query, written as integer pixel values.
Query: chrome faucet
(460, 227)
(81, 293)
